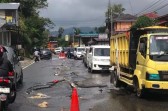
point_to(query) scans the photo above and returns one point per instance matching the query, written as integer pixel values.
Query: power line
(131, 6)
(150, 6)
(162, 7)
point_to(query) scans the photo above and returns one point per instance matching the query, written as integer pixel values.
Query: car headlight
(152, 76)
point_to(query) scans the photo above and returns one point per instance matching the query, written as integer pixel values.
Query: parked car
(58, 50)
(45, 54)
(85, 55)
(14, 59)
(99, 58)
(78, 52)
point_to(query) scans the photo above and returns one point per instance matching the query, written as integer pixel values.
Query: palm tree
(76, 31)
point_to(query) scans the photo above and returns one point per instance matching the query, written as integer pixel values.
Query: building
(163, 20)
(9, 22)
(123, 23)
(87, 39)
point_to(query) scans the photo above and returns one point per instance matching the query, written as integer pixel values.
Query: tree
(60, 32)
(144, 21)
(100, 29)
(77, 31)
(31, 25)
(114, 10)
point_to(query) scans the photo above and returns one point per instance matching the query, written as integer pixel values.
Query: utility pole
(108, 22)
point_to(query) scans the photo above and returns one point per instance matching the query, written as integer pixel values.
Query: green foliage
(77, 31)
(114, 10)
(143, 21)
(32, 26)
(62, 42)
(100, 29)
(60, 32)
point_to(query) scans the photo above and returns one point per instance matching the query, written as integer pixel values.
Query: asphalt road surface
(95, 93)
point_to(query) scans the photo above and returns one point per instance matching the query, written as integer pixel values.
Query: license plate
(4, 90)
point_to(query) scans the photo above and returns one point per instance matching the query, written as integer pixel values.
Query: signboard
(102, 36)
(9, 19)
(66, 37)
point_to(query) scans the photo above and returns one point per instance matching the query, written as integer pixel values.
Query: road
(94, 90)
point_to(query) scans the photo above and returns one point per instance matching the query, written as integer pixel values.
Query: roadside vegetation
(33, 29)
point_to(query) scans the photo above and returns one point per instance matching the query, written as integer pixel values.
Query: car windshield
(159, 45)
(81, 49)
(102, 52)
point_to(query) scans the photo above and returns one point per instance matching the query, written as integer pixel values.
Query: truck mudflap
(156, 85)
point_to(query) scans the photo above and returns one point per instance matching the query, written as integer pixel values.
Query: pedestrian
(69, 53)
(36, 55)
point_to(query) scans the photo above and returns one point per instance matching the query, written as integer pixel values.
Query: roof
(125, 17)
(151, 15)
(154, 27)
(165, 17)
(89, 35)
(4, 6)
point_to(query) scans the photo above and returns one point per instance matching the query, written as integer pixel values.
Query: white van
(78, 52)
(99, 58)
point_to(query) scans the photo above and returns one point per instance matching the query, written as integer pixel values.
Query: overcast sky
(79, 13)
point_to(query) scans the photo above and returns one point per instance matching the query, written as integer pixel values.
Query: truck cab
(140, 59)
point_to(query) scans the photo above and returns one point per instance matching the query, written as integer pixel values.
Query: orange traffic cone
(74, 101)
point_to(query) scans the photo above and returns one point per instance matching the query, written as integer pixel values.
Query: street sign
(66, 37)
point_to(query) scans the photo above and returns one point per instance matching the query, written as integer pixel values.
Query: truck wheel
(114, 79)
(139, 92)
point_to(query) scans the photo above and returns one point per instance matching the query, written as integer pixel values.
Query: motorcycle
(36, 59)
(7, 92)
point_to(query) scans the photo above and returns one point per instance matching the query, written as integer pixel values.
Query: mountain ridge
(69, 31)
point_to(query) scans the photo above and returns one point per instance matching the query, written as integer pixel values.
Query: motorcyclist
(37, 55)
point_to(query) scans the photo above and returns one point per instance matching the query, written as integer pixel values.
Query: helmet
(1, 51)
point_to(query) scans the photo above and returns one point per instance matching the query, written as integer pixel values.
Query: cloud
(76, 13)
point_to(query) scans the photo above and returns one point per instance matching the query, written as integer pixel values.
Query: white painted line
(28, 65)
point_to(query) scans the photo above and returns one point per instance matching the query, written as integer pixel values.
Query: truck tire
(114, 79)
(139, 92)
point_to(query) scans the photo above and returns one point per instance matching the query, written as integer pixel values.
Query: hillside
(69, 31)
